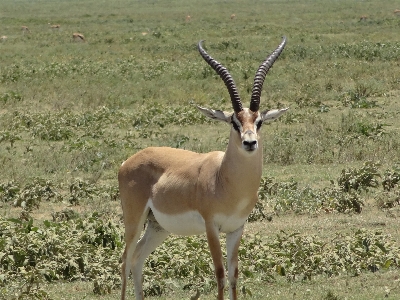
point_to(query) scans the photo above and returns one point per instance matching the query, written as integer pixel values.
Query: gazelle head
(245, 122)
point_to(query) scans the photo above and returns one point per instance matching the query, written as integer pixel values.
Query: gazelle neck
(241, 170)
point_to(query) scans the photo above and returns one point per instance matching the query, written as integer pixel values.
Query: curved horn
(260, 76)
(226, 77)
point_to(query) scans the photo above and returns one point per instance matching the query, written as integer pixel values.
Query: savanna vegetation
(327, 225)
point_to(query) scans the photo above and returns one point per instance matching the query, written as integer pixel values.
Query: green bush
(11, 96)
(359, 179)
(90, 249)
(32, 194)
(81, 249)
(388, 199)
(81, 189)
(391, 178)
(9, 190)
(9, 136)
(344, 198)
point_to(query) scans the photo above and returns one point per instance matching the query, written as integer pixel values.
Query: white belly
(228, 223)
(187, 223)
(192, 223)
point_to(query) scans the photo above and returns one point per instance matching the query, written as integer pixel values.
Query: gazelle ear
(270, 115)
(218, 115)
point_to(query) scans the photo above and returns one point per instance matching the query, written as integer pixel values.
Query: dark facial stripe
(236, 123)
(259, 123)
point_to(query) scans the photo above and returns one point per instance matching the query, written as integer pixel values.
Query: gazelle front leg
(232, 246)
(216, 254)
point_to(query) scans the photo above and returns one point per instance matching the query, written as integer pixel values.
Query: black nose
(249, 145)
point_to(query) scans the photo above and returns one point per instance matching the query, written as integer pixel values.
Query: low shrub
(90, 249)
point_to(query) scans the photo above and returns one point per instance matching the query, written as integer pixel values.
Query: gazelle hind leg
(232, 246)
(151, 239)
(133, 229)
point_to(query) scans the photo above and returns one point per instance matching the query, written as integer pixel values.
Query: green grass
(366, 287)
(73, 111)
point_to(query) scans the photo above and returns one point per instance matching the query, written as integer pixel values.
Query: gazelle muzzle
(249, 141)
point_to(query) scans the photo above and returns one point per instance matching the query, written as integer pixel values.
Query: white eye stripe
(237, 123)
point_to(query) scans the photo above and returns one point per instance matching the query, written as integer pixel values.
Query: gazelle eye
(259, 125)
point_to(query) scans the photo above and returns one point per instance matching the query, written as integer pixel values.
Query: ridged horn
(226, 77)
(260, 76)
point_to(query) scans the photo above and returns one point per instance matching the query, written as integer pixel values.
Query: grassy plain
(77, 110)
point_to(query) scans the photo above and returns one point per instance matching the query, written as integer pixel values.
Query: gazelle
(25, 29)
(188, 18)
(55, 27)
(3, 38)
(78, 37)
(233, 16)
(363, 18)
(396, 11)
(187, 193)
